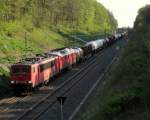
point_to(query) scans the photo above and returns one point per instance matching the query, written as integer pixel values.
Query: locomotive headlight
(12, 82)
(29, 81)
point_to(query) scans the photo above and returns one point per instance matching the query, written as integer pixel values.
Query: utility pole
(25, 43)
(105, 33)
(25, 40)
(105, 29)
(26, 49)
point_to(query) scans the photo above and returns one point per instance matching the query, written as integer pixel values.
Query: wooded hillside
(87, 15)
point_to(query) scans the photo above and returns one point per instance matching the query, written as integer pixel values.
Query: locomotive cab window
(46, 66)
(49, 64)
(53, 63)
(41, 68)
(26, 70)
(16, 70)
(21, 69)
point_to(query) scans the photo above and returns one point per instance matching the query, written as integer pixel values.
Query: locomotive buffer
(61, 100)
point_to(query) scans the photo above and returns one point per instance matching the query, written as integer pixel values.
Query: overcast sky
(125, 11)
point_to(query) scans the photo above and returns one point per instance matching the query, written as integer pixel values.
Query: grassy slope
(41, 39)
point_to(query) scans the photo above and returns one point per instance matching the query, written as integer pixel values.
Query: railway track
(17, 105)
(8, 103)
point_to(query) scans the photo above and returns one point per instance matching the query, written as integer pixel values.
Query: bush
(119, 102)
(11, 27)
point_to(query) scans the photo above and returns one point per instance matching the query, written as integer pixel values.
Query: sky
(125, 11)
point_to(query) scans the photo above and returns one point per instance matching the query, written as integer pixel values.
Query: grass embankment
(126, 95)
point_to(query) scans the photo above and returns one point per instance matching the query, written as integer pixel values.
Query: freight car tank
(96, 45)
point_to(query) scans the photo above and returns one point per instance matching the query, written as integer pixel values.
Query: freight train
(30, 73)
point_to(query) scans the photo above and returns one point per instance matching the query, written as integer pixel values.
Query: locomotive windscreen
(21, 69)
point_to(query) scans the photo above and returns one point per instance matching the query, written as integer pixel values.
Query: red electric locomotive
(32, 72)
(28, 74)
